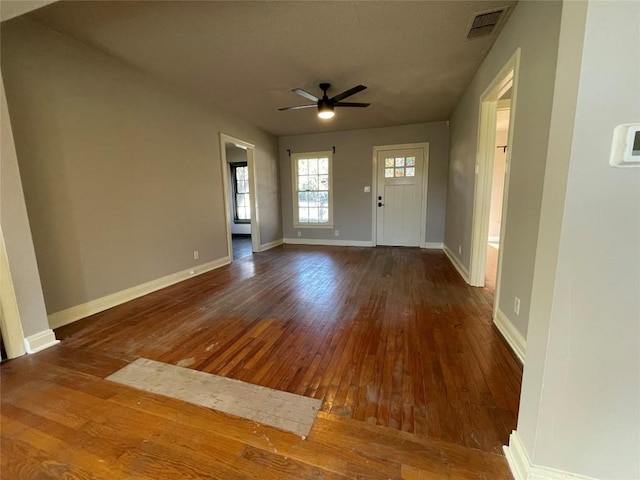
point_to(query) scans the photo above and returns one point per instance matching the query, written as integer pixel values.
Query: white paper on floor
(283, 410)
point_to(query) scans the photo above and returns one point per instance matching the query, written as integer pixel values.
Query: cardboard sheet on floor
(283, 410)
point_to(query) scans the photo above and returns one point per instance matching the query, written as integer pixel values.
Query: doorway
(497, 189)
(495, 136)
(238, 166)
(400, 196)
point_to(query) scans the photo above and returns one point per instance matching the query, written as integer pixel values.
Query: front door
(399, 197)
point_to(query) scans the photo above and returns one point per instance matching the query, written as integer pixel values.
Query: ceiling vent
(486, 23)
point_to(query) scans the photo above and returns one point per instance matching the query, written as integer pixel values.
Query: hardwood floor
(415, 380)
(241, 245)
(491, 269)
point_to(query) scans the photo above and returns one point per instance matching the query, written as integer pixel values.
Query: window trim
(294, 183)
(234, 192)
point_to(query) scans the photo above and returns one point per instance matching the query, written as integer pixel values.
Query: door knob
(380, 204)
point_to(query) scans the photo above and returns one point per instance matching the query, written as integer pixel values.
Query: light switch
(367, 189)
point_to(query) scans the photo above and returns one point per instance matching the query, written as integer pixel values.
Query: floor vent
(485, 23)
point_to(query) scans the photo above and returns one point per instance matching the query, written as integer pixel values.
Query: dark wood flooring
(415, 380)
(241, 245)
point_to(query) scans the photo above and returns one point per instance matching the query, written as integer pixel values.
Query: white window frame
(233, 167)
(294, 181)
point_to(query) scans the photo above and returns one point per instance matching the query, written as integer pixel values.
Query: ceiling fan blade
(298, 107)
(305, 94)
(351, 104)
(348, 93)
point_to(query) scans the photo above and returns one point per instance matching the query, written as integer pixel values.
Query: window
(312, 198)
(241, 200)
(400, 167)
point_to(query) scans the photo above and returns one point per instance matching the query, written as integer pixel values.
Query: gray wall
(533, 26)
(580, 405)
(121, 175)
(352, 167)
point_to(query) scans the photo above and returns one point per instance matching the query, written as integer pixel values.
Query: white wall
(122, 174)
(353, 170)
(580, 405)
(534, 28)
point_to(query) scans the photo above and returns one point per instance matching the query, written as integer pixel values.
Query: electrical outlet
(196, 254)
(192, 272)
(299, 233)
(516, 306)
(336, 233)
(459, 249)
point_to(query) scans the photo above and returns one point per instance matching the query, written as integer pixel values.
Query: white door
(399, 197)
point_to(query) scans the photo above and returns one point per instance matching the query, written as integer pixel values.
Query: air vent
(485, 23)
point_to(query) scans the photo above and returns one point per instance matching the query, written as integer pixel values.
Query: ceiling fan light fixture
(324, 104)
(325, 111)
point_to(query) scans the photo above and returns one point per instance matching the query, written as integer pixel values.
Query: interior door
(399, 197)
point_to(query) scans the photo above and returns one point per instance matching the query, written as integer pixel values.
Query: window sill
(313, 226)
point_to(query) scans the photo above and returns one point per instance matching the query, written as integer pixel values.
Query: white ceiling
(245, 57)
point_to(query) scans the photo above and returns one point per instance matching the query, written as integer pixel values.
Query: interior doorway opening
(238, 168)
(497, 189)
(239, 200)
(495, 138)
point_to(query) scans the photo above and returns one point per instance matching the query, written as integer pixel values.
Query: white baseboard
(433, 245)
(517, 457)
(270, 245)
(462, 270)
(522, 468)
(335, 243)
(70, 315)
(39, 341)
(513, 337)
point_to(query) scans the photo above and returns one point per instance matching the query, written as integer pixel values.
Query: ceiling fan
(325, 104)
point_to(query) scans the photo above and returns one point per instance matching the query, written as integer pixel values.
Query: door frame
(508, 76)
(253, 191)
(10, 324)
(425, 184)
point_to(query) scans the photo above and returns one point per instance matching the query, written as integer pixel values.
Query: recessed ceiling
(245, 57)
